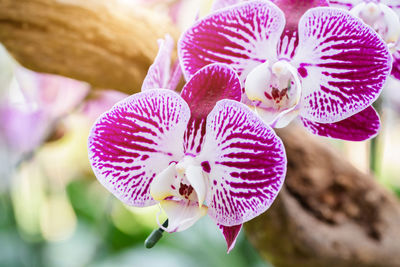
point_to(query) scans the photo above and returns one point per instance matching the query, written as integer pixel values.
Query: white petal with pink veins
(381, 18)
(241, 36)
(159, 72)
(248, 165)
(342, 63)
(136, 140)
(346, 4)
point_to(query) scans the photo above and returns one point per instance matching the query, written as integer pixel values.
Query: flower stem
(155, 236)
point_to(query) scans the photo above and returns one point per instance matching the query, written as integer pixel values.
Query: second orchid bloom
(307, 60)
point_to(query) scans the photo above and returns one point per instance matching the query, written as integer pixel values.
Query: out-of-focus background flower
(53, 212)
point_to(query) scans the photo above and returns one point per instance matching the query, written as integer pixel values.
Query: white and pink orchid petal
(241, 36)
(230, 233)
(181, 214)
(161, 187)
(176, 76)
(396, 65)
(159, 72)
(247, 167)
(393, 4)
(392, 28)
(137, 139)
(55, 95)
(219, 4)
(99, 102)
(381, 18)
(210, 84)
(294, 9)
(346, 4)
(343, 65)
(195, 176)
(23, 128)
(359, 127)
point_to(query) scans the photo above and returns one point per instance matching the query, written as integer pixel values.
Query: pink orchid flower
(296, 58)
(195, 153)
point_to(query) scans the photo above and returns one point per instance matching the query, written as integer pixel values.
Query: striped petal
(346, 4)
(230, 233)
(393, 4)
(237, 36)
(159, 72)
(209, 85)
(294, 9)
(349, 4)
(359, 127)
(137, 139)
(247, 167)
(396, 65)
(342, 62)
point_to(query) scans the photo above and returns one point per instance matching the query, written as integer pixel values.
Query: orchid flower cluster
(250, 66)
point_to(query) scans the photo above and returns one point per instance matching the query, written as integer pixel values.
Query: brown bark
(328, 213)
(86, 40)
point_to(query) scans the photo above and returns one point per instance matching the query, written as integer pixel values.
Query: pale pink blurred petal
(54, 94)
(22, 129)
(101, 102)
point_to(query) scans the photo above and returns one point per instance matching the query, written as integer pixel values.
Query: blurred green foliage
(108, 233)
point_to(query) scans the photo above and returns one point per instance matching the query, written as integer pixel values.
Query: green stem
(155, 236)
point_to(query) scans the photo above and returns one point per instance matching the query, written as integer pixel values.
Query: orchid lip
(181, 185)
(274, 90)
(183, 180)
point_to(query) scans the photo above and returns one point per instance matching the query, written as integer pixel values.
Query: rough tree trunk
(328, 214)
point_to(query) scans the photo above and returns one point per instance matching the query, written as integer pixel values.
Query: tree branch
(86, 40)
